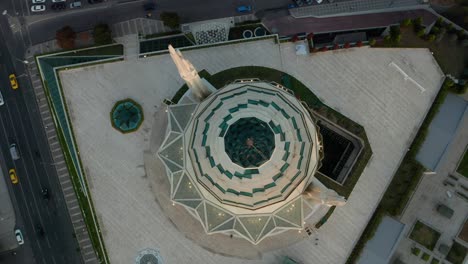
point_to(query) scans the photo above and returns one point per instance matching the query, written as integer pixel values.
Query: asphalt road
(43, 27)
(20, 123)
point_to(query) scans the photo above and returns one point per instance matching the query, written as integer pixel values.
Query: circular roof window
(249, 142)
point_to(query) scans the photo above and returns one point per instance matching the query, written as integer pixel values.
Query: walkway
(354, 7)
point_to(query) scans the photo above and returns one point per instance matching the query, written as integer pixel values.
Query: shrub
(347, 45)
(359, 44)
(336, 46)
(415, 251)
(65, 37)
(435, 30)
(431, 37)
(372, 41)
(102, 34)
(295, 38)
(425, 257)
(324, 48)
(170, 19)
(420, 32)
(310, 36)
(406, 22)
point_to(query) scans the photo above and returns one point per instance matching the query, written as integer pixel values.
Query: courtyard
(359, 83)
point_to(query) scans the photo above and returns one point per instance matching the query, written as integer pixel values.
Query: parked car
(59, 6)
(13, 81)
(75, 4)
(292, 6)
(95, 1)
(1, 99)
(299, 2)
(45, 194)
(58, 1)
(244, 9)
(19, 237)
(13, 176)
(40, 230)
(38, 1)
(14, 152)
(38, 8)
(309, 2)
(149, 6)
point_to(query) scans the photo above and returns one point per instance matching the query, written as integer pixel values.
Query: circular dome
(252, 146)
(249, 142)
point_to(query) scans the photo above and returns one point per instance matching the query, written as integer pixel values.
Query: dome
(240, 160)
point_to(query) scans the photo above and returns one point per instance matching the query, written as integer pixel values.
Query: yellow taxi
(13, 177)
(13, 81)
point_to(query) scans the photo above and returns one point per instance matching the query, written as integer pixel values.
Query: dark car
(40, 230)
(95, 1)
(149, 6)
(59, 6)
(45, 194)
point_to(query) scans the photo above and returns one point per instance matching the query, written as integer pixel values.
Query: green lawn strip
(457, 253)
(404, 181)
(463, 166)
(87, 208)
(424, 235)
(112, 49)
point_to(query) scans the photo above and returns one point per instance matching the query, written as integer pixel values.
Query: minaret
(200, 87)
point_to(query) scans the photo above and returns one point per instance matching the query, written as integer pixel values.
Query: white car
(1, 99)
(38, 8)
(38, 1)
(58, 1)
(19, 237)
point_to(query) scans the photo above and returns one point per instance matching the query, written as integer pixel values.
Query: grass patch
(325, 217)
(463, 165)
(425, 257)
(415, 251)
(116, 49)
(87, 209)
(456, 254)
(424, 235)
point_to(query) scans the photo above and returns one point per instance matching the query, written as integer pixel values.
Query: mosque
(242, 159)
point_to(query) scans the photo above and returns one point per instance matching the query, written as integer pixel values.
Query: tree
(336, 46)
(347, 45)
(406, 22)
(431, 37)
(65, 37)
(170, 19)
(359, 44)
(102, 34)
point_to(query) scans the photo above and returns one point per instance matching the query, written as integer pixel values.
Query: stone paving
(357, 82)
(430, 192)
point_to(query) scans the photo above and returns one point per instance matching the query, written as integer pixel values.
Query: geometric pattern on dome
(213, 153)
(148, 256)
(249, 142)
(126, 116)
(294, 161)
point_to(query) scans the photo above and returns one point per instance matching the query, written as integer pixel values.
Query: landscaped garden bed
(463, 165)
(457, 253)
(424, 235)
